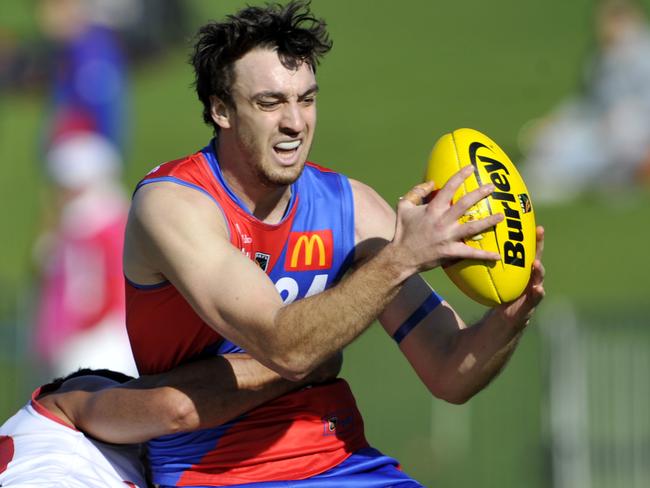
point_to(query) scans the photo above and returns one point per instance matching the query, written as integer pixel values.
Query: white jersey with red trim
(39, 450)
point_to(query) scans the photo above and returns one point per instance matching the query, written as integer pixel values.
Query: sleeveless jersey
(302, 433)
(38, 449)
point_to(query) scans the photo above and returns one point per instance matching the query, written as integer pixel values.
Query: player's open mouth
(286, 149)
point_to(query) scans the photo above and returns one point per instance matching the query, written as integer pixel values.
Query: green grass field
(399, 76)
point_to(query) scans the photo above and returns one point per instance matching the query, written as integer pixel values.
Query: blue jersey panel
(323, 225)
(367, 468)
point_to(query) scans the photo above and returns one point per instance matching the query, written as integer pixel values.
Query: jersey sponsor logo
(308, 251)
(6, 452)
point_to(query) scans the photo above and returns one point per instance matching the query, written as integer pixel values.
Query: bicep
(183, 236)
(374, 221)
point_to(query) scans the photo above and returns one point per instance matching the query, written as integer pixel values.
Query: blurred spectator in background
(82, 60)
(599, 139)
(80, 319)
(89, 85)
(145, 29)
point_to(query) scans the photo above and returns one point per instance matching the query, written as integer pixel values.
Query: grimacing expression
(272, 123)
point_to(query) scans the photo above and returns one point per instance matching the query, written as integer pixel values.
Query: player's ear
(220, 112)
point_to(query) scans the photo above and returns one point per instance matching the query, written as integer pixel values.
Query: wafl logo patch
(262, 259)
(309, 251)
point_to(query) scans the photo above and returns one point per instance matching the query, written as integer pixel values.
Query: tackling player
(40, 445)
(253, 249)
(56, 439)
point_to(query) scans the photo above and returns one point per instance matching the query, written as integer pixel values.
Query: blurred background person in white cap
(80, 318)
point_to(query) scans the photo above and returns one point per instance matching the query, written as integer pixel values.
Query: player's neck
(266, 202)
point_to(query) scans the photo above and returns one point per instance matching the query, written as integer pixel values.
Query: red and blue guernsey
(301, 434)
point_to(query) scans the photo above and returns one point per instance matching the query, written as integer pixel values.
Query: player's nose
(292, 120)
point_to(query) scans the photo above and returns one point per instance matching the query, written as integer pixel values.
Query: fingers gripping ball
(489, 283)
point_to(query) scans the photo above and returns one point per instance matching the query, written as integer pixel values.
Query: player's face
(274, 116)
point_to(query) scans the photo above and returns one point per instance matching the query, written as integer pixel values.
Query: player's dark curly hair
(291, 30)
(105, 373)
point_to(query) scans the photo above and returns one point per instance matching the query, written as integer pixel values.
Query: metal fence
(598, 411)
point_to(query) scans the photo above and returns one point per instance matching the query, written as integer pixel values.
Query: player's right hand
(429, 233)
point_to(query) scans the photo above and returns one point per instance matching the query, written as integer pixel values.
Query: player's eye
(268, 104)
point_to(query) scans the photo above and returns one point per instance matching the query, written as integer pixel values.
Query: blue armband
(416, 317)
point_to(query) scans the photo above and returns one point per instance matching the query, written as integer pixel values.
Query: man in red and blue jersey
(246, 246)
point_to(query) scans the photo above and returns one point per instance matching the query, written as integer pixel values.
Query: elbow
(295, 376)
(291, 360)
(293, 369)
(294, 366)
(451, 392)
(311, 369)
(289, 351)
(455, 398)
(180, 413)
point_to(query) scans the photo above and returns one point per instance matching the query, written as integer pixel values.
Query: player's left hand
(518, 312)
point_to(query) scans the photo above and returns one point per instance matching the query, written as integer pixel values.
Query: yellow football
(489, 283)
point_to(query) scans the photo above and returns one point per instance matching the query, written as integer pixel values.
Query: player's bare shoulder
(374, 219)
(161, 204)
(164, 216)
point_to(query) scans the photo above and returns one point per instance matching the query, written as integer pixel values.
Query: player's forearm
(124, 415)
(218, 390)
(199, 395)
(203, 394)
(310, 330)
(475, 357)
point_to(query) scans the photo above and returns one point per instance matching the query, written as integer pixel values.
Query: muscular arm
(178, 233)
(203, 394)
(454, 361)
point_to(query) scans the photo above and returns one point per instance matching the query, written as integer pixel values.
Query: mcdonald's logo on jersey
(308, 251)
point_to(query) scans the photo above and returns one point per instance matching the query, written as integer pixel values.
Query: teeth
(288, 146)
